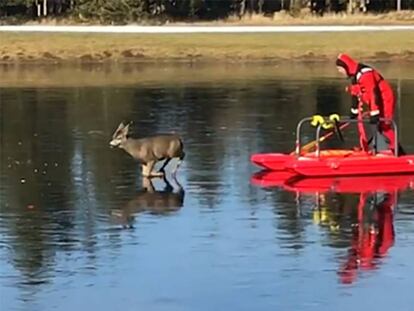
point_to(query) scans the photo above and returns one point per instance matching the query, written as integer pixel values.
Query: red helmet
(346, 62)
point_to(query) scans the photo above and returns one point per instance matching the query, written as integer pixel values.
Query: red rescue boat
(334, 162)
(272, 161)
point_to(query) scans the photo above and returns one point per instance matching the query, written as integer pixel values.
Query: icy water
(80, 229)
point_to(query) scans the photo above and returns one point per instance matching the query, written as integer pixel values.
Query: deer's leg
(175, 185)
(147, 168)
(177, 165)
(150, 172)
(150, 166)
(147, 185)
(162, 169)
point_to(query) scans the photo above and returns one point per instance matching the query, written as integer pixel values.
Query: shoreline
(176, 73)
(50, 60)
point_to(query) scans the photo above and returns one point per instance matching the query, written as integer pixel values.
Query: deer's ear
(119, 129)
(120, 126)
(126, 128)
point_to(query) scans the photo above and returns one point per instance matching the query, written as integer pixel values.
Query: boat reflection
(291, 182)
(357, 213)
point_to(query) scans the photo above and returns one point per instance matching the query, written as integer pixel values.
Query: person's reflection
(150, 200)
(372, 235)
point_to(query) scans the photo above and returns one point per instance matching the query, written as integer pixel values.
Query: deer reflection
(150, 200)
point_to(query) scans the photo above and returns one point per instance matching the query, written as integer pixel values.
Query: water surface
(78, 230)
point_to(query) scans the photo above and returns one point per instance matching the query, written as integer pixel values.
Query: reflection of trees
(34, 165)
(405, 112)
(328, 98)
(289, 224)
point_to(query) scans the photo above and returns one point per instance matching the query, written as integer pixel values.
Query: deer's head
(120, 135)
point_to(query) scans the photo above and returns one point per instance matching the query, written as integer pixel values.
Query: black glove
(353, 115)
(374, 119)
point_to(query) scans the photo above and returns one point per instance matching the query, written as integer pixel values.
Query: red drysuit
(369, 88)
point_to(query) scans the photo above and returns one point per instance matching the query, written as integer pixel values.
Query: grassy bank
(92, 48)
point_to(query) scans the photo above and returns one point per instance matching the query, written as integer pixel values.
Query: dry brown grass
(89, 48)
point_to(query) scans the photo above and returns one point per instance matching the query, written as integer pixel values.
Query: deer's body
(158, 147)
(150, 150)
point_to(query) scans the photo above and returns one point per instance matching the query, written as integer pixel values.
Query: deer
(149, 150)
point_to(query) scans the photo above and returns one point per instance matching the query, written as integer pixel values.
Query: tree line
(123, 11)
